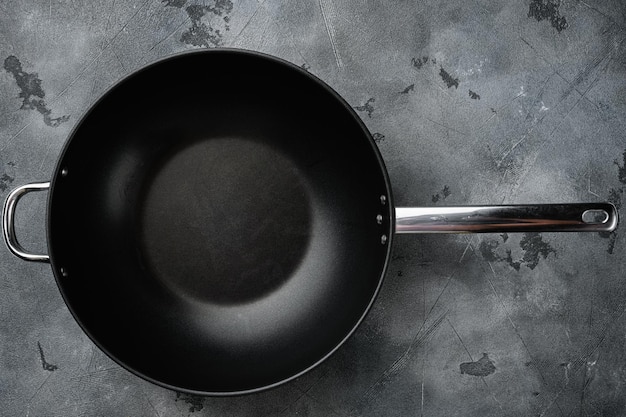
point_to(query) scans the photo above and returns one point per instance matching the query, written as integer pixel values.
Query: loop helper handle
(8, 221)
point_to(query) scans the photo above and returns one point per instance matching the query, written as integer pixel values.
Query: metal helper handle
(583, 217)
(8, 221)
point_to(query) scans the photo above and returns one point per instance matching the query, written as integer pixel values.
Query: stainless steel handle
(8, 221)
(584, 217)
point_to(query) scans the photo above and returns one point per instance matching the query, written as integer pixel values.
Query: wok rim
(56, 269)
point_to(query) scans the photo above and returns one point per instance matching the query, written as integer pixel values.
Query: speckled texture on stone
(470, 102)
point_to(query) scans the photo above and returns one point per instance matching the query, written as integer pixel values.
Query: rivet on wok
(64, 272)
(383, 200)
(379, 219)
(64, 172)
(383, 239)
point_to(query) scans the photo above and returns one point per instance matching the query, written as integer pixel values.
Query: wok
(220, 222)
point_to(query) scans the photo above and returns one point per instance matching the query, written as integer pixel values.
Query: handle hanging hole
(595, 216)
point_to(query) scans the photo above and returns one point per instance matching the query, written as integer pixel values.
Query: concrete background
(479, 101)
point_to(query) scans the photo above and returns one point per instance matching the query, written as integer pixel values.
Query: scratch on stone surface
(460, 340)
(256, 10)
(45, 157)
(621, 169)
(440, 294)
(535, 51)
(590, 317)
(583, 359)
(493, 395)
(425, 350)
(615, 197)
(151, 405)
(588, 351)
(400, 363)
(439, 88)
(292, 402)
(586, 381)
(494, 112)
(97, 57)
(510, 320)
(285, 24)
(333, 411)
(583, 96)
(566, 366)
(589, 188)
(91, 356)
(356, 27)
(37, 391)
(607, 50)
(422, 392)
(402, 360)
(467, 247)
(308, 387)
(328, 13)
(527, 167)
(446, 126)
(568, 335)
(515, 145)
(532, 126)
(117, 57)
(306, 394)
(557, 73)
(108, 23)
(187, 19)
(99, 373)
(604, 14)
(491, 116)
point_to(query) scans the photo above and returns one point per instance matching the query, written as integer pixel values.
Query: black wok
(220, 222)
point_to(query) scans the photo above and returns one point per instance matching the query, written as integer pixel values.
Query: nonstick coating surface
(213, 222)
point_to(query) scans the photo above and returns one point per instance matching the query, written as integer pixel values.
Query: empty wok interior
(213, 222)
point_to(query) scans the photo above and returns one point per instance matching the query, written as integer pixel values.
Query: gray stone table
(470, 102)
